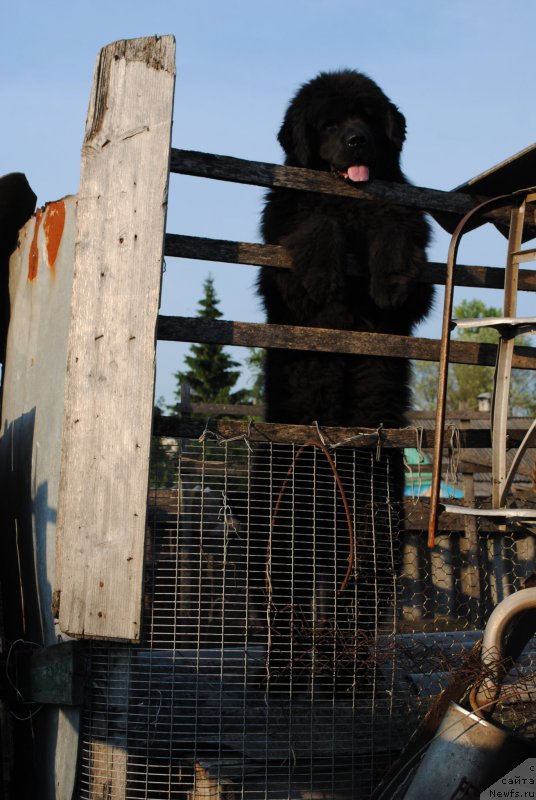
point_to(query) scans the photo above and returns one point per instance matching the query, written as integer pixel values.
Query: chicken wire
(294, 631)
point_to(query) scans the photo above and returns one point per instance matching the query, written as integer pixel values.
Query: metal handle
(492, 643)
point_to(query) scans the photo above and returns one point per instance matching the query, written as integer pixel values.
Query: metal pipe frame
(492, 642)
(515, 200)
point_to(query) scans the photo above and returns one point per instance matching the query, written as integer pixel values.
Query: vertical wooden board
(111, 361)
(108, 772)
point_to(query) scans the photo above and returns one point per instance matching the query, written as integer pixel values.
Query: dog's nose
(356, 140)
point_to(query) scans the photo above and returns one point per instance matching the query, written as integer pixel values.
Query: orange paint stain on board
(33, 257)
(53, 226)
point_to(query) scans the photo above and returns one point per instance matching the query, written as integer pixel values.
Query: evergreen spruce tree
(211, 372)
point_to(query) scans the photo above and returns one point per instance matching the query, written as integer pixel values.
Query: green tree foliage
(466, 382)
(211, 372)
(255, 362)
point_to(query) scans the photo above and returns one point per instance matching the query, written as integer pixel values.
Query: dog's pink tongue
(358, 173)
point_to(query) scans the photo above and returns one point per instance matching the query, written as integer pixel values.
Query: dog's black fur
(337, 120)
(343, 123)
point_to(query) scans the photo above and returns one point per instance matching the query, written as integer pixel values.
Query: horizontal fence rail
(226, 429)
(255, 334)
(270, 255)
(239, 170)
(227, 168)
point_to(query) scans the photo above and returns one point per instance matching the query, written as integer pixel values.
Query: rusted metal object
(508, 327)
(460, 229)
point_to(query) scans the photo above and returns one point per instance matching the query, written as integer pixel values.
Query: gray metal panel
(41, 273)
(516, 172)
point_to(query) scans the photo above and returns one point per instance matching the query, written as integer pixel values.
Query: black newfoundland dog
(341, 122)
(355, 266)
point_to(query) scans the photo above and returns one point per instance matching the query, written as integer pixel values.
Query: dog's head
(342, 121)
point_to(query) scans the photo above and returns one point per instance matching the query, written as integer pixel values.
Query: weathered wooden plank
(220, 409)
(275, 432)
(109, 756)
(182, 246)
(351, 437)
(239, 170)
(260, 255)
(110, 371)
(416, 518)
(108, 771)
(255, 334)
(479, 277)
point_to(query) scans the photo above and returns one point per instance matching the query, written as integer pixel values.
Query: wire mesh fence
(295, 628)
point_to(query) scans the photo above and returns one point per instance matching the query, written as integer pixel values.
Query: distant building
(484, 401)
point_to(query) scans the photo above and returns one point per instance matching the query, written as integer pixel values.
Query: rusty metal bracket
(517, 201)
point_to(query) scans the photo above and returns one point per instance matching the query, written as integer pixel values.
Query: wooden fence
(81, 485)
(280, 336)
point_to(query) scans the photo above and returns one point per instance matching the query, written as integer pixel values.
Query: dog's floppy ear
(395, 126)
(293, 138)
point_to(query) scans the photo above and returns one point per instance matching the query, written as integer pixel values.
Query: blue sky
(461, 71)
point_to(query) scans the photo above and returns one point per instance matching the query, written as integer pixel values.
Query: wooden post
(469, 548)
(111, 355)
(470, 577)
(108, 771)
(109, 757)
